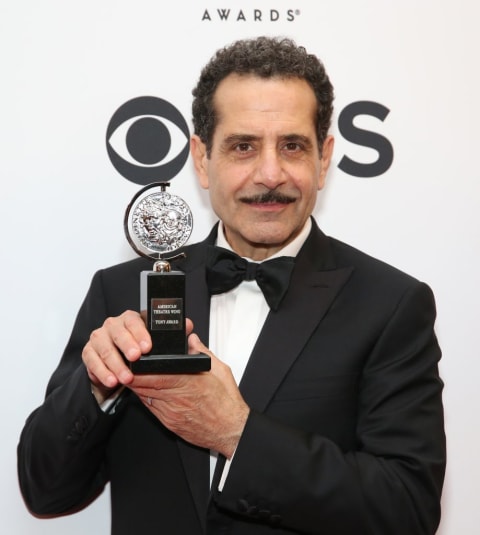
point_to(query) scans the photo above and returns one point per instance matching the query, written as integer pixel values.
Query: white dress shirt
(236, 319)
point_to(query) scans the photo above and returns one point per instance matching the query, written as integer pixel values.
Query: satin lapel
(196, 461)
(315, 284)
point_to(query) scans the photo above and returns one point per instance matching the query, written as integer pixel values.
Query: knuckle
(94, 336)
(131, 320)
(86, 353)
(106, 354)
(109, 323)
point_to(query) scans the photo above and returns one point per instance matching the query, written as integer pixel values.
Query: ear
(325, 159)
(198, 150)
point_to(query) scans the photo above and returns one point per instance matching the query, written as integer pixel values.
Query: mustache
(269, 197)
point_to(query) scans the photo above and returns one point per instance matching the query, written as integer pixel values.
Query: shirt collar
(291, 249)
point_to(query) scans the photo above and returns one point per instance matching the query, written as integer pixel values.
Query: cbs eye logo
(148, 140)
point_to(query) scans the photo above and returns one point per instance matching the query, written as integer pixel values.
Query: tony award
(156, 225)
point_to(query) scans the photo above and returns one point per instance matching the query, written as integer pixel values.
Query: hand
(205, 409)
(102, 355)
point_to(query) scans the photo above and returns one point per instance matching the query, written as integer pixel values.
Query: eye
(147, 140)
(243, 147)
(293, 146)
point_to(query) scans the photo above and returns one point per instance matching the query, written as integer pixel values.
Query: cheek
(226, 183)
(309, 197)
(219, 198)
(217, 190)
(310, 188)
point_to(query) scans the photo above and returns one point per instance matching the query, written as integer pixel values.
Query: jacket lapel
(315, 283)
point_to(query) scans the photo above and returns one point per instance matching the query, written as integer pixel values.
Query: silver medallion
(157, 222)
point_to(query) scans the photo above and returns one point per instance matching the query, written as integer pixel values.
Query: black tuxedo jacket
(345, 435)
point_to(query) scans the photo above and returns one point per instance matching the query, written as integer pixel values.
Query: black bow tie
(226, 270)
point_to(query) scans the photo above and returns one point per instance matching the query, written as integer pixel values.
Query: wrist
(234, 438)
(102, 393)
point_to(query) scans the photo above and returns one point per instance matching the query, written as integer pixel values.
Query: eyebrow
(239, 138)
(246, 138)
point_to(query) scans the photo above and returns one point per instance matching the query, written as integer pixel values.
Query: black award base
(151, 364)
(162, 295)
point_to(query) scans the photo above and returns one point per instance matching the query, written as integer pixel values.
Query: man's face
(265, 167)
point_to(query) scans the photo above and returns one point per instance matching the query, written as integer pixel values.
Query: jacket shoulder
(367, 265)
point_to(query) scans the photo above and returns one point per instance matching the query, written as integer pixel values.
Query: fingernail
(111, 381)
(125, 377)
(132, 354)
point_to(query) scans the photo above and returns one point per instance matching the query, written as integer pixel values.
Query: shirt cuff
(226, 469)
(109, 406)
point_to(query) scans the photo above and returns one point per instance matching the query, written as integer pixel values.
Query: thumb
(195, 345)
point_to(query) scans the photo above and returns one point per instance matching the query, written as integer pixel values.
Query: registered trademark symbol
(297, 12)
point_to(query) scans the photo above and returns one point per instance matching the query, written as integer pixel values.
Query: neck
(260, 252)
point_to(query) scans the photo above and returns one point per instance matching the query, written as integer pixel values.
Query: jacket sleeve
(61, 448)
(391, 481)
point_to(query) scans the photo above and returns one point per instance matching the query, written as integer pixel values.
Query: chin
(271, 239)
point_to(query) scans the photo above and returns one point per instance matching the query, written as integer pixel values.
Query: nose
(269, 170)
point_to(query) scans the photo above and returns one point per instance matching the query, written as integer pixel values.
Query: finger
(95, 381)
(146, 384)
(103, 355)
(129, 334)
(188, 326)
(98, 372)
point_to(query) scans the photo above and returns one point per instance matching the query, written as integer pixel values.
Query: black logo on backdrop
(148, 140)
(365, 138)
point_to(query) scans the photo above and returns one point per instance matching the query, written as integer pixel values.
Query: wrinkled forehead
(246, 99)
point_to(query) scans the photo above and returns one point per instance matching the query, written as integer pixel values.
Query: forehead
(250, 100)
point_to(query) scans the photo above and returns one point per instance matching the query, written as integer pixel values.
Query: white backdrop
(67, 66)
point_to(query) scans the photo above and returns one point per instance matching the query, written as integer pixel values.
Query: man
(336, 426)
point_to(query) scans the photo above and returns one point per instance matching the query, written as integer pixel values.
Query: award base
(162, 296)
(171, 364)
